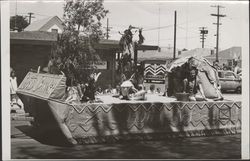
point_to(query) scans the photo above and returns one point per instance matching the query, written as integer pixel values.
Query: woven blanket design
(92, 123)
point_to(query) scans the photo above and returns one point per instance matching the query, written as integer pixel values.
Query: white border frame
(5, 64)
(5, 74)
(245, 98)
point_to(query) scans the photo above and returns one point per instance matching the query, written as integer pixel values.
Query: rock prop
(207, 76)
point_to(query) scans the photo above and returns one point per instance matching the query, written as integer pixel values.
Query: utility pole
(203, 34)
(30, 16)
(15, 28)
(159, 24)
(174, 33)
(107, 29)
(218, 15)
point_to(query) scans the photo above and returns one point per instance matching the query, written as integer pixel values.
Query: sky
(157, 20)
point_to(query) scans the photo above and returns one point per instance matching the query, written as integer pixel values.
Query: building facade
(228, 57)
(50, 24)
(31, 49)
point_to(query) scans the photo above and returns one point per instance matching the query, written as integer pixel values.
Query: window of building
(54, 30)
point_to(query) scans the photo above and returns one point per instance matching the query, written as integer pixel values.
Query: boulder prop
(207, 75)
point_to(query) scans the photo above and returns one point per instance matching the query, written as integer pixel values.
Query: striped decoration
(154, 69)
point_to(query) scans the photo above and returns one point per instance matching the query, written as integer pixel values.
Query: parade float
(64, 98)
(136, 116)
(114, 120)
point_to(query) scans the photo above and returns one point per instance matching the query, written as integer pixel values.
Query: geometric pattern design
(101, 120)
(154, 71)
(98, 122)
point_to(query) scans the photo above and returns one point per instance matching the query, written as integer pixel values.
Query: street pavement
(213, 147)
(26, 143)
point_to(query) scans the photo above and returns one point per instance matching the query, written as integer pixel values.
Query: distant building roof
(114, 44)
(230, 53)
(168, 54)
(45, 24)
(42, 37)
(196, 52)
(154, 55)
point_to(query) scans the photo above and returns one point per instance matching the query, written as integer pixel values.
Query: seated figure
(127, 88)
(129, 92)
(192, 85)
(151, 89)
(208, 77)
(99, 91)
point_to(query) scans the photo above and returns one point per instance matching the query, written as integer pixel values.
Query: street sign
(204, 31)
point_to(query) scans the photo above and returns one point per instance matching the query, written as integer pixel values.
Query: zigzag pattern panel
(133, 118)
(154, 69)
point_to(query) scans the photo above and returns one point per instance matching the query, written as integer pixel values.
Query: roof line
(50, 19)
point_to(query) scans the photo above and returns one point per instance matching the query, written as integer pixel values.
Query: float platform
(116, 120)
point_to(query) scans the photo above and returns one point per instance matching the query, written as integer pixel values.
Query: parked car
(229, 81)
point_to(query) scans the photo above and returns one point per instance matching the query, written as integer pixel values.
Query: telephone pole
(218, 15)
(175, 17)
(159, 24)
(30, 16)
(203, 34)
(107, 29)
(15, 28)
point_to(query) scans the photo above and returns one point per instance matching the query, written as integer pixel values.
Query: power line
(167, 26)
(156, 28)
(186, 29)
(198, 19)
(218, 15)
(25, 13)
(177, 38)
(42, 15)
